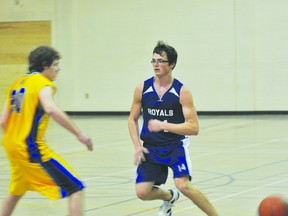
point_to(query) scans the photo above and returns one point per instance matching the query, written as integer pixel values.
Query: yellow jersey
(25, 128)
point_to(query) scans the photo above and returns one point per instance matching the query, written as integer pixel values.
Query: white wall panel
(232, 53)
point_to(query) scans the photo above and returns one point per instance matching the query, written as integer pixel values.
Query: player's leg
(75, 204)
(148, 176)
(9, 204)
(182, 171)
(17, 186)
(147, 191)
(56, 179)
(184, 185)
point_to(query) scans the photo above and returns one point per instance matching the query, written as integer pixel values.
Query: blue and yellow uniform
(166, 149)
(34, 166)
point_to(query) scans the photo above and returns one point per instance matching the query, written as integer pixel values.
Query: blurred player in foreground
(34, 166)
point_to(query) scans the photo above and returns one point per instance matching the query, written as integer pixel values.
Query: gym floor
(237, 161)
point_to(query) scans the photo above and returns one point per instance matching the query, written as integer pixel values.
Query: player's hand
(86, 140)
(139, 155)
(155, 125)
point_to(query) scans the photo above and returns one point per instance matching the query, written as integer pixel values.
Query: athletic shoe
(166, 207)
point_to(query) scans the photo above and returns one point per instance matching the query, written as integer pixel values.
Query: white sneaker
(166, 207)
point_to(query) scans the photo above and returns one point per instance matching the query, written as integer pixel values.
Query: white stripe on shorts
(186, 143)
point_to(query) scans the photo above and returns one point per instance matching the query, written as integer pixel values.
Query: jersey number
(181, 167)
(17, 97)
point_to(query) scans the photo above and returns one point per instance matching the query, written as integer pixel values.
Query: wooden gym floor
(237, 161)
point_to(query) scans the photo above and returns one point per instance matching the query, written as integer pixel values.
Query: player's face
(52, 71)
(161, 65)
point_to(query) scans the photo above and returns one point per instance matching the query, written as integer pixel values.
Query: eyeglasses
(158, 61)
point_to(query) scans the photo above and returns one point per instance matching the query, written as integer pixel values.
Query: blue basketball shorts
(160, 158)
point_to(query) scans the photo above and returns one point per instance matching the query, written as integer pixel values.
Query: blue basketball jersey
(167, 108)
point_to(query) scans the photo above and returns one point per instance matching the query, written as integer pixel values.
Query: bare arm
(4, 116)
(134, 127)
(49, 106)
(189, 127)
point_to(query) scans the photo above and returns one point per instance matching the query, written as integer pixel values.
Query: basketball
(273, 206)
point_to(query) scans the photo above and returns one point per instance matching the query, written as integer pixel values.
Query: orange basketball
(273, 206)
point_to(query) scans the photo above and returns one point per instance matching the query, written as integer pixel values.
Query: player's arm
(189, 127)
(133, 126)
(49, 106)
(4, 116)
(135, 112)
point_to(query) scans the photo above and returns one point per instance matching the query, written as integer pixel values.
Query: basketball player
(169, 116)
(34, 166)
